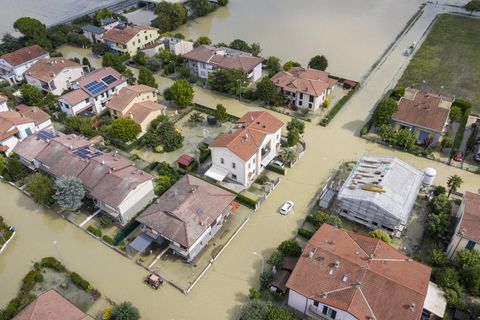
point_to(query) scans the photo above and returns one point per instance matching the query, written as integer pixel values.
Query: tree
(181, 92)
(383, 112)
(102, 14)
(255, 49)
(437, 257)
(267, 91)
(34, 31)
(240, 45)
(200, 8)
(288, 155)
(146, 77)
(319, 218)
(467, 258)
(293, 137)
(31, 95)
(471, 279)
(221, 114)
(473, 6)
(380, 234)
(319, 63)
(77, 39)
(388, 134)
(9, 44)
(14, 170)
(153, 64)
(405, 138)
(99, 49)
(437, 224)
(140, 58)
(196, 118)
(297, 125)
(171, 138)
(203, 40)
(454, 182)
(69, 193)
(290, 248)
(253, 294)
(273, 65)
(276, 259)
(279, 313)
(125, 129)
(229, 81)
(455, 113)
(112, 60)
(169, 16)
(222, 3)
(290, 64)
(254, 310)
(441, 203)
(86, 62)
(125, 311)
(41, 188)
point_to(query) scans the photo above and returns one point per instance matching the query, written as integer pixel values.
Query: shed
(185, 160)
(349, 84)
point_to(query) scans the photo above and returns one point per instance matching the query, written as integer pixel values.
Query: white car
(286, 207)
(278, 163)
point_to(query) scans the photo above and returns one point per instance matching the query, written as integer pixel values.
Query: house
(152, 49)
(17, 125)
(425, 114)
(54, 75)
(116, 186)
(241, 155)
(175, 45)
(186, 217)
(3, 103)
(204, 59)
(139, 103)
(92, 92)
(467, 231)
(50, 305)
(14, 64)
(348, 276)
(95, 34)
(380, 193)
(304, 88)
(130, 40)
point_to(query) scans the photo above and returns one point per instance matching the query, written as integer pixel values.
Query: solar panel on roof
(87, 153)
(45, 135)
(95, 87)
(109, 79)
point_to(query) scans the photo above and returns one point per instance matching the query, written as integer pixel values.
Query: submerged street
(224, 287)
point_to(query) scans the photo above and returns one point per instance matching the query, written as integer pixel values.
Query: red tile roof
(24, 55)
(125, 96)
(185, 160)
(35, 113)
(245, 141)
(362, 276)
(47, 69)
(423, 111)
(470, 224)
(51, 305)
(125, 35)
(310, 81)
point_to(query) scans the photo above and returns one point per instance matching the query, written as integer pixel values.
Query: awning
(216, 173)
(435, 301)
(141, 242)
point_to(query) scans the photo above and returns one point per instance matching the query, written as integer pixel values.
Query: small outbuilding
(185, 161)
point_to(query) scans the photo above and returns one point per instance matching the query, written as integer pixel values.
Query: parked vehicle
(278, 163)
(458, 156)
(153, 281)
(286, 207)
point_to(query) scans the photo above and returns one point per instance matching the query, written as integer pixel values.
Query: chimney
(411, 307)
(103, 161)
(345, 278)
(337, 264)
(312, 253)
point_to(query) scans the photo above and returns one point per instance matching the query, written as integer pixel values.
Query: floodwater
(225, 286)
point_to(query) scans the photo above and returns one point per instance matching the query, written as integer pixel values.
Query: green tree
(102, 14)
(454, 182)
(293, 137)
(455, 113)
(41, 188)
(112, 60)
(279, 313)
(125, 311)
(405, 138)
(268, 92)
(9, 44)
(146, 77)
(34, 31)
(69, 193)
(125, 129)
(201, 8)
(80, 125)
(319, 63)
(221, 114)
(253, 294)
(380, 234)
(140, 58)
(473, 6)
(222, 3)
(288, 155)
(276, 259)
(203, 40)
(441, 203)
(383, 112)
(31, 95)
(467, 258)
(273, 65)
(290, 248)
(169, 16)
(296, 124)
(3, 165)
(290, 64)
(446, 143)
(196, 118)
(15, 170)
(171, 138)
(319, 218)
(255, 49)
(77, 39)
(181, 93)
(254, 310)
(471, 279)
(388, 134)
(240, 45)
(437, 224)
(99, 49)
(437, 257)
(232, 82)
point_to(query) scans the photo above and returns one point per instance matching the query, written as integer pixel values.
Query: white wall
(10, 142)
(44, 125)
(72, 110)
(229, 158)
(303, 305)
(19, 70)
(3, 106)
(136, 200)
(256, 73)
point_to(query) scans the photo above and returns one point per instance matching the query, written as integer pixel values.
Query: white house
(204, 59)
(92, 92)
(304, 88)
(14, 64)
(467, 231)
(175, 45)
(186, 217)
(17, 125)
(241, 155)
(54, 75)
(348, 276)
(116, 186)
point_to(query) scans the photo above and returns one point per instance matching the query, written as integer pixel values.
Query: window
(333, 314)
(234, 176)
(146, 37)
(301, 95)
(310, 99)
(249, 165)
(222, 161)
(300, 103)
(233, 165)
(315, 303)
(325, 310)
(470, 245)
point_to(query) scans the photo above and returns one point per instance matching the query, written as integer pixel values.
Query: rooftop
(93, 29)
(470, 222)
(310, 81)
(252, 129)
(47, 69)
(360, 275)
(8, 121)
(387, 182)
(426, 110)
(123, 36)
(24, 55)
(186, 210)
(35, 113)
(125, 96)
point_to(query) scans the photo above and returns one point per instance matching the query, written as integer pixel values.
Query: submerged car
(278, 163)
(286, 207)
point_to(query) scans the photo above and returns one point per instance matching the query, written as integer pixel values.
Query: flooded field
(224, 287)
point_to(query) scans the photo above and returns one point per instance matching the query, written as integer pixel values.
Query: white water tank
(429, 176)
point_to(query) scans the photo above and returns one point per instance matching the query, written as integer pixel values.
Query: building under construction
(380, 193)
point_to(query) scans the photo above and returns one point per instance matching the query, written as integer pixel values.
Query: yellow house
(139, 103)
(131, 39)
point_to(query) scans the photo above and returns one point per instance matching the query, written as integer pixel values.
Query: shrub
(125, 311)
(246, 201)
(254, 310)
(108, 240)
(52, 263)
(319, 218)
(467, 258)
(105, 222)
(437, 257)
(380, 234)
(276, 169)
(290, 248)
(307, 234)
(79, 281)
(337, 107)
(38, 277)
(262, 180)
(278, 313)
(28, 281)
(253, 294)
(276, 259)
(266, 279)
(96, 232)
(107, 313)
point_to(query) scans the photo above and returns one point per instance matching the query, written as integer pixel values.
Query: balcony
(267, 158)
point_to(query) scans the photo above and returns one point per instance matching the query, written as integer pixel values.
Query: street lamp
(261, 258)
(58, 252)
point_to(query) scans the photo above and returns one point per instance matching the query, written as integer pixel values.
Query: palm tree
(196, 118)
(288, 155)
(454, 182)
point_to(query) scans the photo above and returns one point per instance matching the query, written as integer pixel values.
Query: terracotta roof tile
(47, 69)
(75, 97)
(470, 223)
(24, 55)
(120, 101)
(35, 113)
(310, 81)
(140, 111)
(124, 35)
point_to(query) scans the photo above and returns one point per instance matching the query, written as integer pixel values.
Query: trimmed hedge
(108, 240)
(276, 169)
(79, 281)
(211, 111)
(337, 107)
(307, 234)
(466, 108)
(52, 263)
(94, 231)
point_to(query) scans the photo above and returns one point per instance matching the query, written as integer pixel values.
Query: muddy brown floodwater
(225, 286)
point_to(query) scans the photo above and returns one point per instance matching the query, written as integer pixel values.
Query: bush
(319, 218)
(307, 234)
(262, 180)
(380, 234)
(105, 222)
(266, 279)
(96, 232)
(276, 259)
(250, 203)
(253, 294)
(254, 310)
(108, 240)
(337, 107)
(28, 281)
(290, 248)
(79, 281)
(278, 313)
(38, 277)
(52, 263)
(276, 169)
